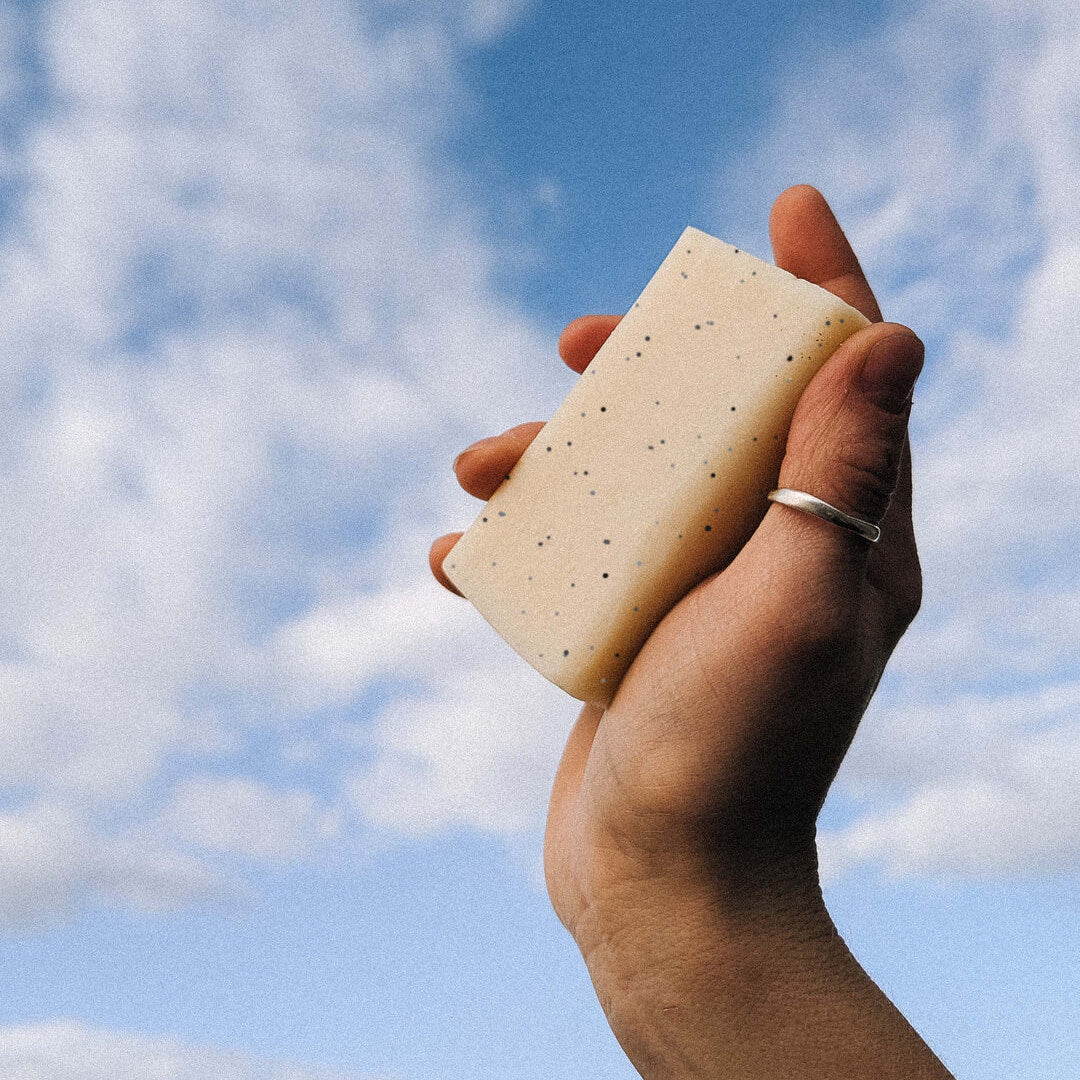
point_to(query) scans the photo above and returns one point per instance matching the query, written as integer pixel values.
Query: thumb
(846, 441)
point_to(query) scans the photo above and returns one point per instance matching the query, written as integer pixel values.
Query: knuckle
(864, 469)
(904, 606)
(826, 632)
(910, 601)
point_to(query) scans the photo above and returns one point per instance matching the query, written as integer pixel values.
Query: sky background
(272, 800)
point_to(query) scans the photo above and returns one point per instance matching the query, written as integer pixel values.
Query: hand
(680, 846)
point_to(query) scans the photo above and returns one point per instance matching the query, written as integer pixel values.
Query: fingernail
(888, 374)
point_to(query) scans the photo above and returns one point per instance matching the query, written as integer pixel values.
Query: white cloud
(479, 748)
(72, 1050)
(1015, 819)
(332, 651)
(961, 737)
(477, 20)
(249, 307)
(245, 299)
(237, 816)
(52, 862)
(488, 19)
(947, 143)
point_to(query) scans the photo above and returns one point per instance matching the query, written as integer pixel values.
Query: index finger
(581, 339)
(808, 242)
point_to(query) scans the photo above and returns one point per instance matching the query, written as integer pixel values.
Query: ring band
(811, 504)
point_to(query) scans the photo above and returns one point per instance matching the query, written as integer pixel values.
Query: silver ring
(811, 504)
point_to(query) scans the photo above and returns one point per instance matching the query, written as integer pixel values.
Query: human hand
(680, 845)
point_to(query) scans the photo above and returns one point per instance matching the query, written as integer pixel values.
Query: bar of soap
(654, 470)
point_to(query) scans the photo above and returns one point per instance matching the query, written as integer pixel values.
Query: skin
(680, 845)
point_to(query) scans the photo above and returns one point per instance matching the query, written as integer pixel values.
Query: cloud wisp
(248, 303)
(952, 169)
(245, 300)
(72, 1050)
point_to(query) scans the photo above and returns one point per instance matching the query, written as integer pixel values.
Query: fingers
(482, 467)
(848, 439)
(808, 242)
(582, 338)
(439, 550)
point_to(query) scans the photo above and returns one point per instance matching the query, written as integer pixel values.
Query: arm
(735, 970)
(680, 846)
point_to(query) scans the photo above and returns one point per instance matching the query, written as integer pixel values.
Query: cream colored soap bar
(654, 470)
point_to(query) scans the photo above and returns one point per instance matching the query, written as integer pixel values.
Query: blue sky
(271, 801)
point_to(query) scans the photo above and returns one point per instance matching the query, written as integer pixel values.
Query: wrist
(741, 979)
(676, 944)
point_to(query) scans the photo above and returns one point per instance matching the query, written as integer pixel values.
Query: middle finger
(482, 467)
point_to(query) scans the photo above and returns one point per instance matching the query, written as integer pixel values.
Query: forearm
(777, 995)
